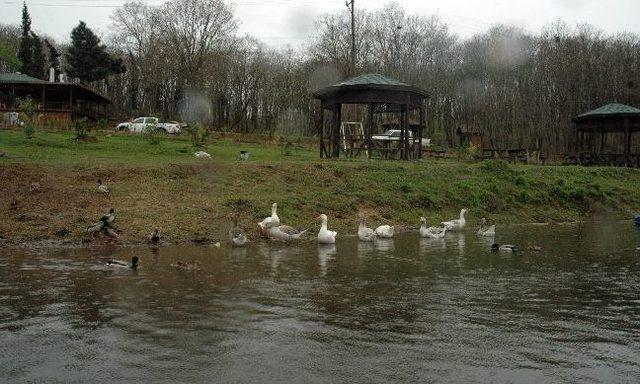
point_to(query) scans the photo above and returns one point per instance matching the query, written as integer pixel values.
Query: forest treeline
(186, 60)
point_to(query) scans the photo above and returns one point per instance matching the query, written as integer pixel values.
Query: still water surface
(407, 310)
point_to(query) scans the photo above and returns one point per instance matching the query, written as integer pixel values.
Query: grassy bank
(164, 185)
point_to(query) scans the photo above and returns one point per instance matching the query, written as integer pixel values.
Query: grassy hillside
(164, 185)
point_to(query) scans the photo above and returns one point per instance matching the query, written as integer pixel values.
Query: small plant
(199, 135)
(82, 128)
(102, 124)
(28, 111)
(152, 134)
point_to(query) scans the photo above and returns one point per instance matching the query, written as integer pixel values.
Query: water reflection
(325, 253)
(384, 245)
(365, 248)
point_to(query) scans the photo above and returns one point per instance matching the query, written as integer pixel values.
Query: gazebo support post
(602, 142)
(420, 128)
(335, 130)
(320, 130)
(407, 153)
(369, 129)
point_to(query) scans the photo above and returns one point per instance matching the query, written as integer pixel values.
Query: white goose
(237, 236)
(384, 231)
(102, 188)
(431, 232)
(486, 230)
(365, 233)
(271, 221)
(456, 224)
(326, 236)
(285, 233)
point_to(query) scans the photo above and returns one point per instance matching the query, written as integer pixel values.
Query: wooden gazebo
(379, 94)
(593, 128)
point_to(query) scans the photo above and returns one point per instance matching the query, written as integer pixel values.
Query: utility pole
(350, 4)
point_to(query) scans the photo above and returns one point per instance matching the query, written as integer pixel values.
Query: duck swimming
(122, 264)
(486, 230)
(431, 232)
(285, 233)
(271, 221)
(365, 233)
(154, 237)
(456, 224)
(385, 231)
(326, 236)
(237, 236)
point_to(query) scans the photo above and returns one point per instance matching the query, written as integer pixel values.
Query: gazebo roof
(610, 110)
(365, 84)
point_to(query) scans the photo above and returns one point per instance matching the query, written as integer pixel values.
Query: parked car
(394, 135)
(140, 124)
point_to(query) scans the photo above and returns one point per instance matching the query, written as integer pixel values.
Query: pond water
(406, 310)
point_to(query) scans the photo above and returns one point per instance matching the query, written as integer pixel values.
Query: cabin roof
(23, 81)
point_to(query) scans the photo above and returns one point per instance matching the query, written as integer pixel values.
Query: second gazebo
(379, 94)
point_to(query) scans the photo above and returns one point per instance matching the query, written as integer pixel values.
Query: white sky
(289, 22)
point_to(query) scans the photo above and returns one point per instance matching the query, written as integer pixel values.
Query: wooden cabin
(55, 101)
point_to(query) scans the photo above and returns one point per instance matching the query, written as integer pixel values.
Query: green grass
(165, 185)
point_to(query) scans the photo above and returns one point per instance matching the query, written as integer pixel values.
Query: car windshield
(138, 121)
(392, 133)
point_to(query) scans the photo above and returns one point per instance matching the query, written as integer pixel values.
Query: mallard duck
(123, 264)
(504, 248)
(93, 229)
(237, 236)
(365, 233)
(431, 232)
(385, 231)
(271, 221)
(285, 233)
(456, 224)
(326, 236)
(154, 237)
(486, 230)
(102, 188)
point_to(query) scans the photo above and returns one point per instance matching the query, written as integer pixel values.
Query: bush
(152, 134)
(82, 128)
(28, 111)
(199, 135)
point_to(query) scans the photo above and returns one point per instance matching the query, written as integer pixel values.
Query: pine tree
(38, 59)
(54, 56)
(26, 44)
(87, 59)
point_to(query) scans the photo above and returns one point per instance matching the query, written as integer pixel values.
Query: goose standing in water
(326, 236)
(385, 231)
(102, 188)
(365, 233)
(456, 224)
(504, 248)
(271, 221)
(122, 264)
(237, 236)
(431, 232)
(285, 233)
(154, 238)
(486, 230)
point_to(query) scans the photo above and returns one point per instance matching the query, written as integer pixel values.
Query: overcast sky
(282, 22)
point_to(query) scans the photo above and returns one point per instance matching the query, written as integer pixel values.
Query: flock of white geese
(271, 227)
